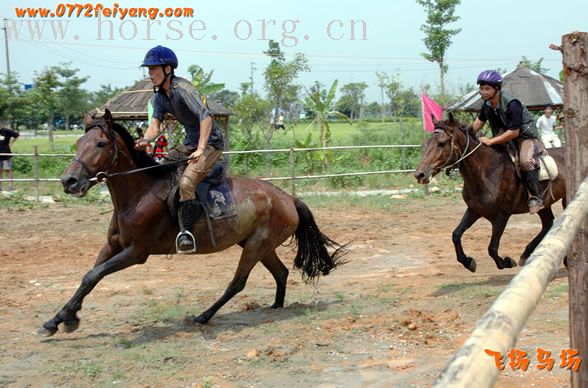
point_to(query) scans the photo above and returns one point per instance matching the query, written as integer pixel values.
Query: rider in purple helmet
(204, 139)
(510, 121)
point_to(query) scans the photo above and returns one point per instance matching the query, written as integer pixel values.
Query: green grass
(555, 291)
(470, 290)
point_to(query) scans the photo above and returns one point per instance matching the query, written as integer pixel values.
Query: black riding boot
(531, 179)
(185, 241)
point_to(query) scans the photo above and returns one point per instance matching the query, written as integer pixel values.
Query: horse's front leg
(498, 225)
(547, 217)
(68, 314)
(468, 219)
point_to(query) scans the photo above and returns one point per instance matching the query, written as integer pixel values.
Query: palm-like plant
(201, 81)
(322, 105)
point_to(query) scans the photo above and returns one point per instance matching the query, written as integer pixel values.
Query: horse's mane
(468, 131)
(141, 158)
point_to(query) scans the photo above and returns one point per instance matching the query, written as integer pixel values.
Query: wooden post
(36, 167)
(292, 171)
(575, 65)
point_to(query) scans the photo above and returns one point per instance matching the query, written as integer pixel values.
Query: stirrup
(191, 236)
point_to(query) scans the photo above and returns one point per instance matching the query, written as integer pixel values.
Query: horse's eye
(101, 144)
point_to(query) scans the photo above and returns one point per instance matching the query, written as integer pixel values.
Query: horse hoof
(46, 332)
(70, 327)
(277, 306)
(509, 263)
(472, 267)
(199, 320)
(522, 260)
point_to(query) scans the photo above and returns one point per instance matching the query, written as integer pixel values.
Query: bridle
(455, 149)
(114, 153)
(102, 176)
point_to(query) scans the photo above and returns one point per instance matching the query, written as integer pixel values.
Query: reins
(453, 147)
(102, 176)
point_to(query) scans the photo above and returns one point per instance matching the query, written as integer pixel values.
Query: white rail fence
(291, 151)
(500, 326)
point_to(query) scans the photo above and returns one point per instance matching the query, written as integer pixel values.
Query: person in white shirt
(546, 124)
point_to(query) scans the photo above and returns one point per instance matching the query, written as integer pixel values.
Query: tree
(438, 39)
(534, 65)
(102, 95)
(227, 98)
(355, 91)
(382, 82)
(12, 99)
(321, 104)
(279, 78)
(373, 109)
(345, 105)
(45, 95)
(251, 110)
(71, 98)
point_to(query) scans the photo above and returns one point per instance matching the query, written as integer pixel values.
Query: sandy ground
(392, 316)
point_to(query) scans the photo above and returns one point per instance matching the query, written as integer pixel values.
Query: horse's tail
(313, 258)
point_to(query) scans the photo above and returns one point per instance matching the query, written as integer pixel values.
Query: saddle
(547, 167)
(213, 198)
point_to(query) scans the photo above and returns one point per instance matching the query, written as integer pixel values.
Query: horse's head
(97, 150)
(443, 149)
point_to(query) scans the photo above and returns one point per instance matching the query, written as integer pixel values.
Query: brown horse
(143, 225)
(491, 186)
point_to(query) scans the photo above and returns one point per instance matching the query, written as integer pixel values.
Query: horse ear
(87, 119)
(107, 117)
(434, 119)
(451, 119)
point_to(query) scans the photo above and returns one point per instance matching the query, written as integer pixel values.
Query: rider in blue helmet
(511, 122)
(204, 140)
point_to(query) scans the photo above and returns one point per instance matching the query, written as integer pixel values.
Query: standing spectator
(160, 148)
(7, 139)
(280, 122)
(546, 123)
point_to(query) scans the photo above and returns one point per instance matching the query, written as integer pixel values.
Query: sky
(345, 40)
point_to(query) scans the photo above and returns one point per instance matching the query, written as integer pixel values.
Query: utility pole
(253, 68)
(6, 46)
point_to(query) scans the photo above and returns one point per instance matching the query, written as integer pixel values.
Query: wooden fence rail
(499, 328)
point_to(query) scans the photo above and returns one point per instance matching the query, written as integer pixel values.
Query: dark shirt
(514, 118)
(185, 104)
(5, 136)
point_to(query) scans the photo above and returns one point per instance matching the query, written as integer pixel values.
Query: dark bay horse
(142, 225)
(491, 187)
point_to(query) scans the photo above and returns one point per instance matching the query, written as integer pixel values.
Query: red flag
(430, 107)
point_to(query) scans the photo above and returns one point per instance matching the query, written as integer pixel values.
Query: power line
(308, 55)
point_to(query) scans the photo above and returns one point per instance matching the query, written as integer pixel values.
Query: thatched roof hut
(131, 105)
(534, 90)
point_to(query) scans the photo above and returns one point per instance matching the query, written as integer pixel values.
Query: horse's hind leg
(498, 225)
(546, 215)
(280, 273)
(249, 257)
(468, 219)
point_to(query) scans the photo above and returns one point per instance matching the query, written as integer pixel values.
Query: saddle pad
(220, 201)
(547, 168)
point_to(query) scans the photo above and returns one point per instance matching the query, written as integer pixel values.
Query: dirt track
(393, 315)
